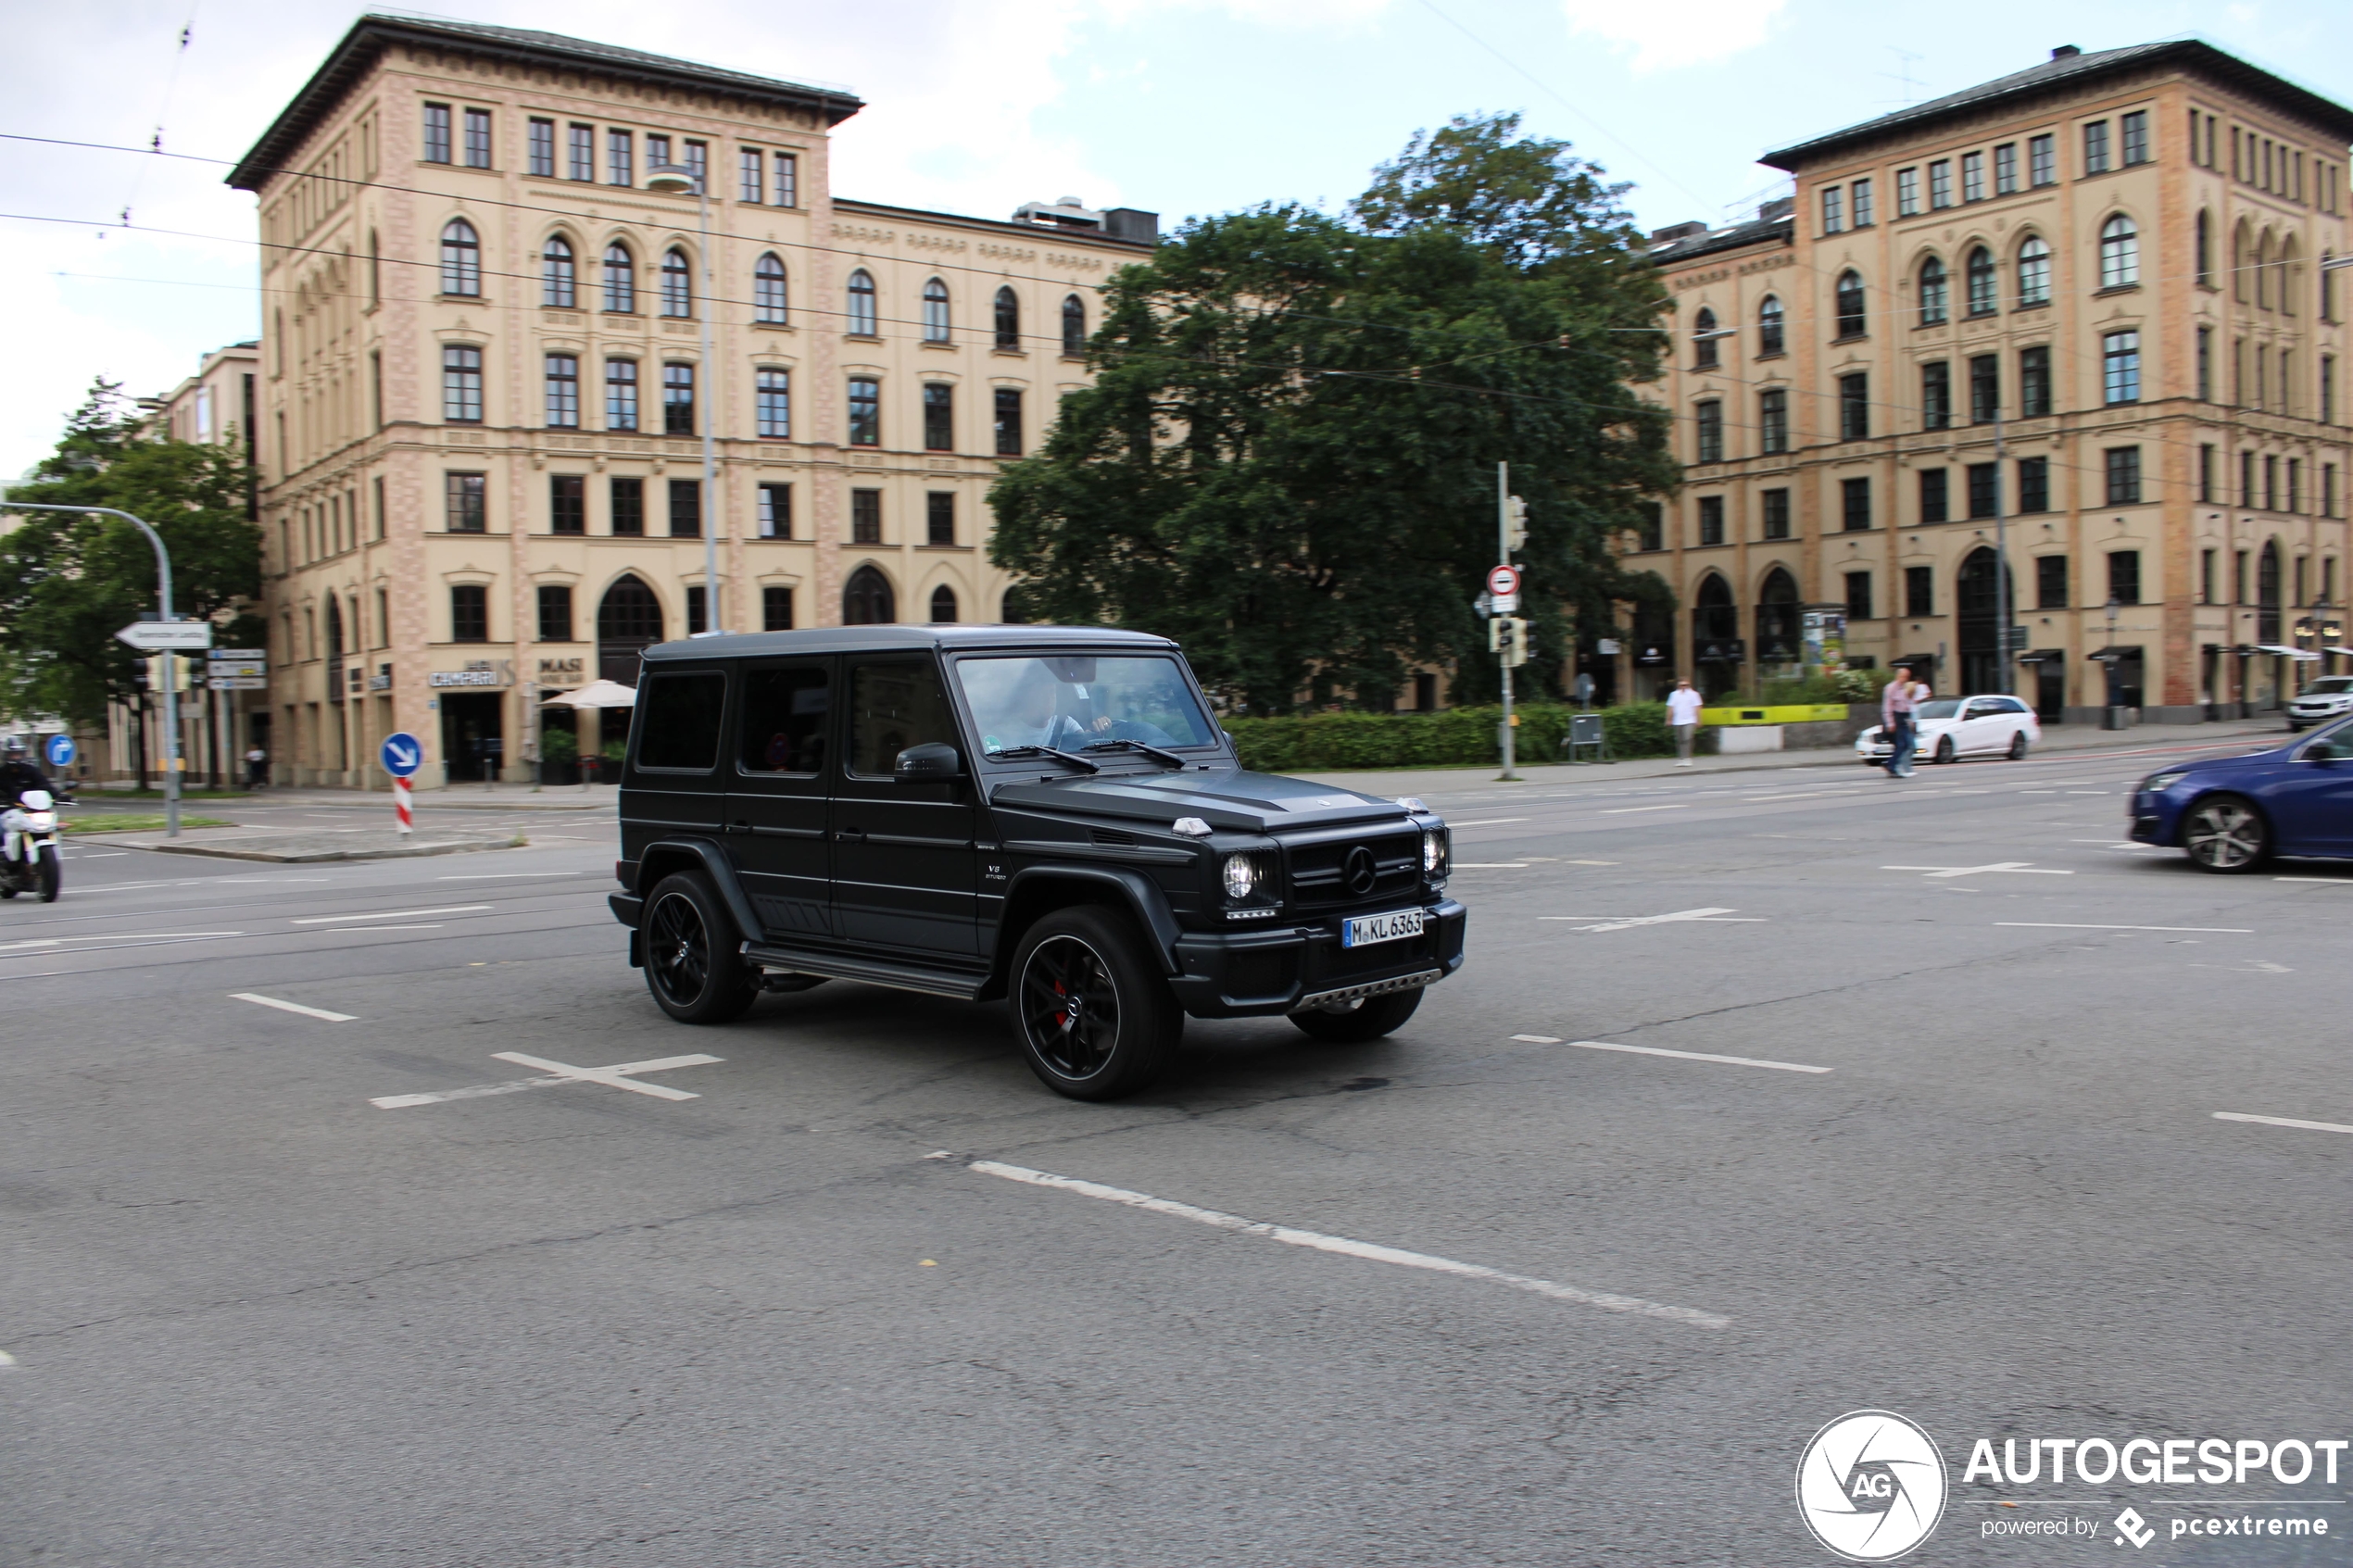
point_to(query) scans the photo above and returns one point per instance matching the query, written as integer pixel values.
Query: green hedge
(1458, 736)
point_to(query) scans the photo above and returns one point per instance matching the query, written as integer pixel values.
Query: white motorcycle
(29, 861)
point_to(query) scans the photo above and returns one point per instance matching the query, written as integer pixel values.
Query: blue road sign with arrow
(403, 754)
(59, 751)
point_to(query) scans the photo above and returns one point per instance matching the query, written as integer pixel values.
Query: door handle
(739, 825)
(849, 835)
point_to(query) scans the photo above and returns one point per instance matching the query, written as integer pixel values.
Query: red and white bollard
(401, 809)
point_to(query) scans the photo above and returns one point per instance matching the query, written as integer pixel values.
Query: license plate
(1366, 931)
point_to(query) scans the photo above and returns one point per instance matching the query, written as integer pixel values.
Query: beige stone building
(2089, 295)
(483, 387)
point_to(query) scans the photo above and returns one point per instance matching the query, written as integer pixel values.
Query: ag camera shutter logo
(1871, 1486)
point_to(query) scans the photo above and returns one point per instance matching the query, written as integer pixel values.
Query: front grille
(1319, 870)
(1117, 838)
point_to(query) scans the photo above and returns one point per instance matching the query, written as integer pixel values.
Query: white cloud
(1666, 37)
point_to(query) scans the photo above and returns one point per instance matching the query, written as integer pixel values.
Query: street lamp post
(2115, 709)
(672, 180)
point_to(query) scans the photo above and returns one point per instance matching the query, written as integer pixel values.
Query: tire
(692, 966)
(1094, 1016)
(48, 871)
(2225, 833)
(1367, 1018)
(2016, 752)
(1944, 752)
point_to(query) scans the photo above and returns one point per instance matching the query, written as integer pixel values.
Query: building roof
(1037, 233)
(1782, 230)
(2069, 71)
(948, 636)
(374, 33)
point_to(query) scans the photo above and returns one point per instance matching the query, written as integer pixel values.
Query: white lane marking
(1694, 1056)
(363, 930)
(97, 854)
(2331, 881)
(612, 1076)
(502, 876)
(1589, 862)
(2283, 1122)
(1490, 822)
(1539, 1039)
(292, 1006)
(1623, 923)
(390, 915)
(1491, 865)
(2021, 868)
(2075, 925)
(118, 936)
(1317, 1241)
(1621, 811)
(2091, 791)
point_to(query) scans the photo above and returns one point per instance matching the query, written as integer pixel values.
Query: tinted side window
(892, 707)
(680, 728)
(786, 711)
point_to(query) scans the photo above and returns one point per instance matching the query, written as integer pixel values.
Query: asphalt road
(1967, 1166)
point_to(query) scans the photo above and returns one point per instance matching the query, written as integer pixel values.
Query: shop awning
(2279, 651)
(596, 694)
(2347, 652)
(2116, 651)
(2043, 656)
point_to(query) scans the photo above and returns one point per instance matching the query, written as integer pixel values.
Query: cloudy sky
(1181, 107)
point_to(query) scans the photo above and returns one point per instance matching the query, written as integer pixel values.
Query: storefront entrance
(473, 735)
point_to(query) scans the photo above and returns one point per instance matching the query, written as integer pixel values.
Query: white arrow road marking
(2024, 868)
(388, 914)
(1315, 1240)
(615, 1077)
(2283, 1122)
(291, 1007)
(1624, 923)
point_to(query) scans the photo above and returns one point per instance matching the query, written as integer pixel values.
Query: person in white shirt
(1682, 717)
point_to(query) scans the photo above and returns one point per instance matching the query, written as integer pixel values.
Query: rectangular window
(1972, 177)
(696, 616)
(685, 508)
(940, 518)
(2121, 367)
(462, 385)
(2206, 364)
(555, 612)
(1936, 396)
(678, 400)
(468, 502)
(2123, 476)
(2238, 371)
(1776, 514)
(581, 142)
(2247, 479)
(1710, 423)
(865, 517)
(2096, 147)
(1008, 421)
(2205, 472)
(621, 395)
(1834, 210)
(1858, 595)
(1985, 388)
(2050, 582)
(469, 613)
(621, 162)
(1865, 212)
(1854, 504)
(543, 148)
(2034, 382)
(1935, 506)
(1651, 534)
(698, 163)
(775, 511)
(2262, 371)
(1985, 490)
(939, 417)
(2005, 170)
(1772, 422)
(775, 608)
(563, 392)
(2124, 576)
(2134, 128)
(2042, 161)
(1919, 589)
(1711, 521)
(772, 398)
(787, 179)
(2238, 578)
(2328, 491)
(1853, 407)
(2033, 485)
(1939, 184)
(752, 184)
(567, 503)
(437, 134)
(477, 138)
(2328, 389)
(2206, 577)
(866, 411)
(1908, 193)
(2295, 485)
(657, 151)
(628, 507)
(2301, 567)
(2271, 485)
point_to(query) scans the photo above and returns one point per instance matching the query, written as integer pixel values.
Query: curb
(310, 857)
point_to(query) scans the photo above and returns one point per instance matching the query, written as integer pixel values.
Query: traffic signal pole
(1504, 557)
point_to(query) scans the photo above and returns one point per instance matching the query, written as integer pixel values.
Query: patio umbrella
(596, 694)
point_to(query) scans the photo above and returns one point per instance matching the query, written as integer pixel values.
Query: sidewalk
(499, 798)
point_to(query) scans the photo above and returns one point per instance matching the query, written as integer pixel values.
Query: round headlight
(1434, 852)
(1241, 876)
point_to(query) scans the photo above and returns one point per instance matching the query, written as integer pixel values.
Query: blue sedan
(2233, 814)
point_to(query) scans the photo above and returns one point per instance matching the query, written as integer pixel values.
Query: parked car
(2234, 813)
(2329, 698)
(1954, 727)
(1043, 814)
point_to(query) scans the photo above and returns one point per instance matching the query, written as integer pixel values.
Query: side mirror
(2329, 751)
(932, 760)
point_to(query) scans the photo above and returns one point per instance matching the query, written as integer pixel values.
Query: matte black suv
(1045, 814)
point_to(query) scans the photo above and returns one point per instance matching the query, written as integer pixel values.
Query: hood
(1230, 800)
(2271, 755)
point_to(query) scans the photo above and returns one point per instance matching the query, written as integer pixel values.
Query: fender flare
(721, 871)
(1142, 898)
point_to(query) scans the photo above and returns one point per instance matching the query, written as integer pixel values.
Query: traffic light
(1519, 531)
(1507, 638)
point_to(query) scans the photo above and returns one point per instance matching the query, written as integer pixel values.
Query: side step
(873, 971)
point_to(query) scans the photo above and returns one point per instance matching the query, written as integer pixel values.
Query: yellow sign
(1805, 713)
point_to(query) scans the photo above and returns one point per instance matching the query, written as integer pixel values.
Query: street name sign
(157, 636)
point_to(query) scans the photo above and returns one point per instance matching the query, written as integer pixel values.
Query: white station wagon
(1954, 727)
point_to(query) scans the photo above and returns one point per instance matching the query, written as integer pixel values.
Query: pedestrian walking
(256, 768)
(1682, 717)
(1898, 704)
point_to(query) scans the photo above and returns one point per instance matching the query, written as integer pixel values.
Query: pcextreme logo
(1871, 1486)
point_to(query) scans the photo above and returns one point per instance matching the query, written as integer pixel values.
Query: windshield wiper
(1071, 757)
(1155, 753)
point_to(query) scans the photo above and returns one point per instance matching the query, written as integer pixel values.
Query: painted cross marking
(2022, 867)
(1622, 923)
(619, 1076)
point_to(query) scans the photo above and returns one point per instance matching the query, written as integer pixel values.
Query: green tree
(1287, 458)
(69, 582)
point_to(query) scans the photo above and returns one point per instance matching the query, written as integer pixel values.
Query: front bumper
(2154, 818)
(1267, 972)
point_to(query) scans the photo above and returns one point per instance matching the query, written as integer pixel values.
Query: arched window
(628, 620)
(2035, 271)
(1777, 620)
(621, 279)
(935, 311)
(2203, 256)
(2286, 269)
(1980, 273)
(1853, 319)
(768, 289)
(2238, 263)
(460, 259)
(1008, 318)
(2267, 593)
(943, 603)
(677, 285)
(861, 303)
(1704, 340)
(335, 626)
(557, 276)
(2120, 253)
(1935, 293)
(1769, 325)
(866, 599)
(1716, 624)
(1074, 327)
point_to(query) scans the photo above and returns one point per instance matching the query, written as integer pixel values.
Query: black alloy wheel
(2226, 834)
(1944, 752)
(691, 964)
(2017, 747)
(1095, 1018)
(1367, 1018)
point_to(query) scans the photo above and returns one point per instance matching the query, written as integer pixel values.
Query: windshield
(2330, 686)
(1069, 701)
(1944, 709)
